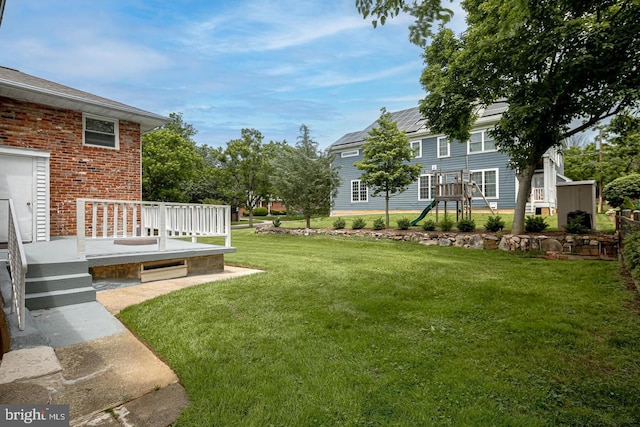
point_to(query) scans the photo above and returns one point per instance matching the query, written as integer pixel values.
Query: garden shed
(576, 197)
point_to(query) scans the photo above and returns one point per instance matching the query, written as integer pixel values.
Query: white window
(426, 187)
(359, 191)
(487, 181)
(351, 153)
(100, 131)
(444, 147)
(480, 142)
(416, 147)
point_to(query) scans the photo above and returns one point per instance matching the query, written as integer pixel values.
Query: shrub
(632, 254)
(446, 224)
(535, 224)
(494, 223)
(339, 224)
(260, 211)
(616, 190)
(465, 225)
(378, 224)
(276, 222)
(576, 224)
(404, 223)
(358, 223)
(429, 225)
(628, 204)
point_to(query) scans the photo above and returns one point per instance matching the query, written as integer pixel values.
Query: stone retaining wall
(555, 245)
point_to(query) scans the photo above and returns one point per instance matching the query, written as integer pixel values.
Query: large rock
(550, 245)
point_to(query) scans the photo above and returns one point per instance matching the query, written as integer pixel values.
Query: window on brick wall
(100, 131)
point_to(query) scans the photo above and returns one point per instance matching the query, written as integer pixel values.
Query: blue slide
(424, 213)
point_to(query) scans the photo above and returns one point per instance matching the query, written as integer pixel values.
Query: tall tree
(169, 162)
(178, 125)
(385, 160)
(246, 167)
(551, 61)
(304, 178)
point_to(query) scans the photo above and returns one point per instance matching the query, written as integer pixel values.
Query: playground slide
(424, 213)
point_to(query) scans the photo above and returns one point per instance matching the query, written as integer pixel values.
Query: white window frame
(350, 153)
(416, 147)
(483, 149)
(361, 185)
(483, 186)
(430, 180)
(440, 139)
(116, 134)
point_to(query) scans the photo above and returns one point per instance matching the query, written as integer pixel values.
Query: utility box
(576, 196)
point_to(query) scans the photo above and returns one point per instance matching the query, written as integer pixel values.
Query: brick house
(58, 144)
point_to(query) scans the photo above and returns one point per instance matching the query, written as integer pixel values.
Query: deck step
(36, 285)
(39, 269)
(60, 298)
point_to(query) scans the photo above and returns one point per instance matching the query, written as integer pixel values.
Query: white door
(17, 183)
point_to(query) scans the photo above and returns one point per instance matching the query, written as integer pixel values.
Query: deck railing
(17, 267)
(112, 219)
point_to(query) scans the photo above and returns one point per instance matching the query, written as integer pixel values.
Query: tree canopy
(304, 178)
(551, 61)
(169, 163)
(385, 160)
(246, 170)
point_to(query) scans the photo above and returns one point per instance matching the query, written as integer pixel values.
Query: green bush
(429, 225)
(276, 222)
(631, 253)
(628, 204)
(339, 223)
(535, 224)
(404, 223)
(378, 224)
(576, 225)
(446, 224)
(466, 225)
(213, 202)
(625, 186)
(494, 223)
(260, 211)
(358, 223)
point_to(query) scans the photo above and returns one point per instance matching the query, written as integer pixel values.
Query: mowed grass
(603, 222)
(358, 332)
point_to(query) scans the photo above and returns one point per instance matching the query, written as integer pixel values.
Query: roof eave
(147, 120)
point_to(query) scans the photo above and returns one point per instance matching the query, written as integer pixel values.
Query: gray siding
(409, 200)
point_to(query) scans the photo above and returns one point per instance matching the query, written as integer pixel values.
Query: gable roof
(24, 87)
(413, 123)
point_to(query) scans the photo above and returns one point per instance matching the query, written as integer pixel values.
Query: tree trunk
(524, 189)
(308, 221)
(386, 208)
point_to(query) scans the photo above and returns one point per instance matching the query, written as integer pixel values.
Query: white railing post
(80, 229)
(227, 226)
(162, 227)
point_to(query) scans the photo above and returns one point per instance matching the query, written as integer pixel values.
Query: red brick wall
(76, 171)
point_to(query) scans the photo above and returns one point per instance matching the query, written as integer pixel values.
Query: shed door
(17, 183)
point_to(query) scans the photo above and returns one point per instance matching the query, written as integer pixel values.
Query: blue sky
(226, 65)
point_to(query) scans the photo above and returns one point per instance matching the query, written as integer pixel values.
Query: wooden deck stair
(56, 284)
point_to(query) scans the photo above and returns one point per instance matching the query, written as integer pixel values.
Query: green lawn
(358, 332)
(603, 222)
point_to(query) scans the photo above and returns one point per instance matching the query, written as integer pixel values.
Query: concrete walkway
(94, 364)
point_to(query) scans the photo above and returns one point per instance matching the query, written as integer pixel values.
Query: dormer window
(100, 131)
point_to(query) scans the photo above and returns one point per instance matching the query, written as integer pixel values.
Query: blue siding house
(437, 155)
